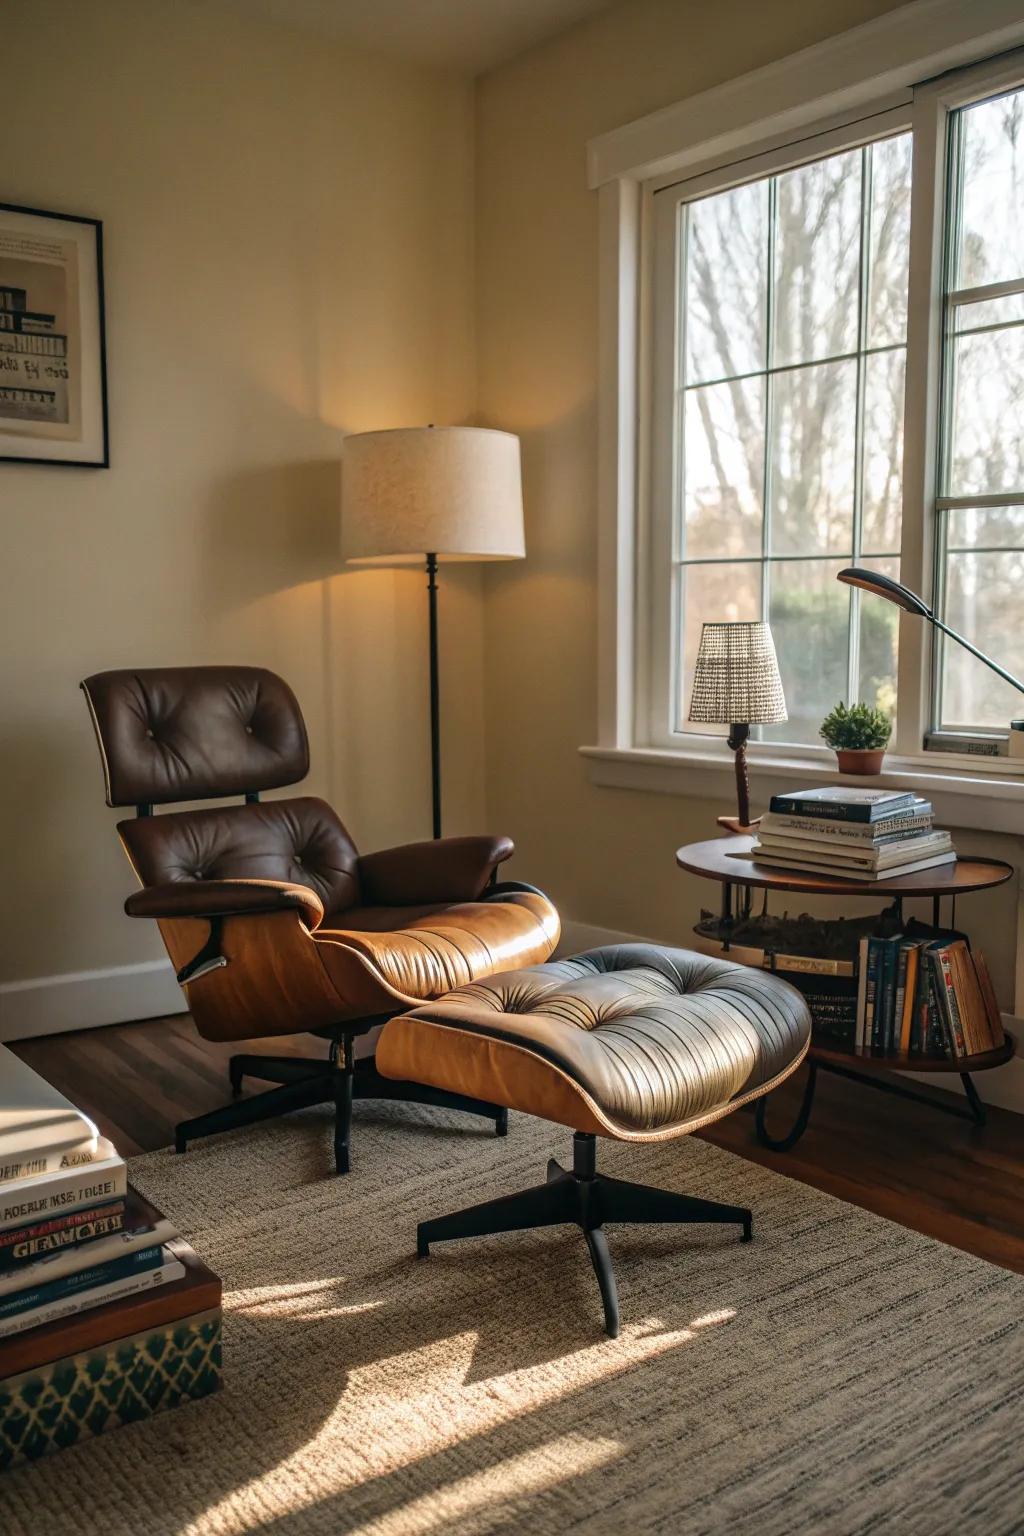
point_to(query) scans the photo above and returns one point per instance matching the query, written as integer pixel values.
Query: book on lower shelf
(921, 996)
(833, 1004)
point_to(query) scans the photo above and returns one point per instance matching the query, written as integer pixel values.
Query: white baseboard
(577, 937)
(52, 1005)
(1003, 1086)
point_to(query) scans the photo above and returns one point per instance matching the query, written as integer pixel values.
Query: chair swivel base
(588, 1199)
(307, 1081)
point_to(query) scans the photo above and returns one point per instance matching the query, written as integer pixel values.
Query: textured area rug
(839, 1374)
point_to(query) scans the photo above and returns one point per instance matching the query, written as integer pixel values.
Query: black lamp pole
(895, 592)
(435, 697)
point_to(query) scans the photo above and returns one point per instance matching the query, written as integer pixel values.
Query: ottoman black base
(588, 1199)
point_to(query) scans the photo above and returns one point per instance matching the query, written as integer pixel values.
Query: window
(792, 352)
(786, 386)
(980, 570)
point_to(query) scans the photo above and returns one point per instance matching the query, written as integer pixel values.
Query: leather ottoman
(630, 1041)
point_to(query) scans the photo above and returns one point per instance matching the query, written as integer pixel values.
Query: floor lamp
(431, 494)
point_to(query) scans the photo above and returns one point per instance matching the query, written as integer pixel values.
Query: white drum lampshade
(455, 492)
(426, 494)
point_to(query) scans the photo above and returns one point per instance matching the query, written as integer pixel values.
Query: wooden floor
(906, 1161)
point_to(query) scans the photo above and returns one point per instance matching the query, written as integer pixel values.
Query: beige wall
(289, 253)
(606, 855)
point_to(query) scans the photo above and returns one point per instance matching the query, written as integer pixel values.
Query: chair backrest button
(248, 730)
(150, 735)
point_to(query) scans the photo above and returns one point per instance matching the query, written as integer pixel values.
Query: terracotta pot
(860, 760)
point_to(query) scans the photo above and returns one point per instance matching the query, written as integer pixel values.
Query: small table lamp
(431, 493)
(736, 683)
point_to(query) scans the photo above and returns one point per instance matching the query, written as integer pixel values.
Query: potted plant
(858, 735)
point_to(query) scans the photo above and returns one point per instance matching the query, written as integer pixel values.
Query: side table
(729, 862)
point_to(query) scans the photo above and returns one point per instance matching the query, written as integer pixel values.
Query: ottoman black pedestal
(632, 1042)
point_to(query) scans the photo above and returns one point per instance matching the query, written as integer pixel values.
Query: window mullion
(950, 213)
(769, 392)
(853, 646)
(921, 400)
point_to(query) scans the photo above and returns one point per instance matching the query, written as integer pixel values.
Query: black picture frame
(90, 333)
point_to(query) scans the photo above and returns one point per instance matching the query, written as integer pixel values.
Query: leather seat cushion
(300, 841)
(632, 1041)
(438, 948)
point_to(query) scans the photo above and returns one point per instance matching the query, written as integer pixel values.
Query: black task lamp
(893, 592)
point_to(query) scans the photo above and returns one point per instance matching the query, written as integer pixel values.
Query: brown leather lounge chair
(274, 922)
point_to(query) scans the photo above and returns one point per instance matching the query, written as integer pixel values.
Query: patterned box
(49, 1407)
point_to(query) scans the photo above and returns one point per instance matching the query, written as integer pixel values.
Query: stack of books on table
(857, 834)
(105, 1313)
(924, 996)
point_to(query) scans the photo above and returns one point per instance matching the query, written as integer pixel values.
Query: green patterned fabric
(55, 1405)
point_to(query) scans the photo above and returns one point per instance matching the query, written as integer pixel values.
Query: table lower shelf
(828, 1055)
(874, 1070)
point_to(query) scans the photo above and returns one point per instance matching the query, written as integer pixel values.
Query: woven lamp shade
(736, 679)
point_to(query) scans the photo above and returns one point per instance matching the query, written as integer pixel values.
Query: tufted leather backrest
(168, 734)
(300, 841)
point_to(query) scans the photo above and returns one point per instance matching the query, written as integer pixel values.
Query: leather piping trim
(125, 850)
(99, 743)
(615, 1131)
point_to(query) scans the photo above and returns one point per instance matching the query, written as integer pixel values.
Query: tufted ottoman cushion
(631, 1041)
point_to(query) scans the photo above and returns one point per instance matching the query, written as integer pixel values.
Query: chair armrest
(225, 898)
(450, 869)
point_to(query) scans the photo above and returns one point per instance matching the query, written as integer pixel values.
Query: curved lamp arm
(893, 592)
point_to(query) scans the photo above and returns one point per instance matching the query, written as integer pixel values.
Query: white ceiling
(470, 35)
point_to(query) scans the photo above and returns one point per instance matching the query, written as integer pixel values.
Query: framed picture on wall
(53, 374)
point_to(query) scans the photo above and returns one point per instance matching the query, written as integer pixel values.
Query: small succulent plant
(856, 728)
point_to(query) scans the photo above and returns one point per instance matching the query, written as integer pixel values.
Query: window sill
(964, 794)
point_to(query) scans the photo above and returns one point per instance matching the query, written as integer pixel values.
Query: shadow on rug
(838, 1375)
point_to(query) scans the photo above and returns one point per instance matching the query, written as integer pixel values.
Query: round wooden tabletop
(730, 861)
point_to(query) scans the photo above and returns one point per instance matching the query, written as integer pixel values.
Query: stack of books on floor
(857, 834)
(85, 1263)
(920, 996)
(64, 1246)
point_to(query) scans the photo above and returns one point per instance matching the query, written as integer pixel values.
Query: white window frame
(849, 90)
